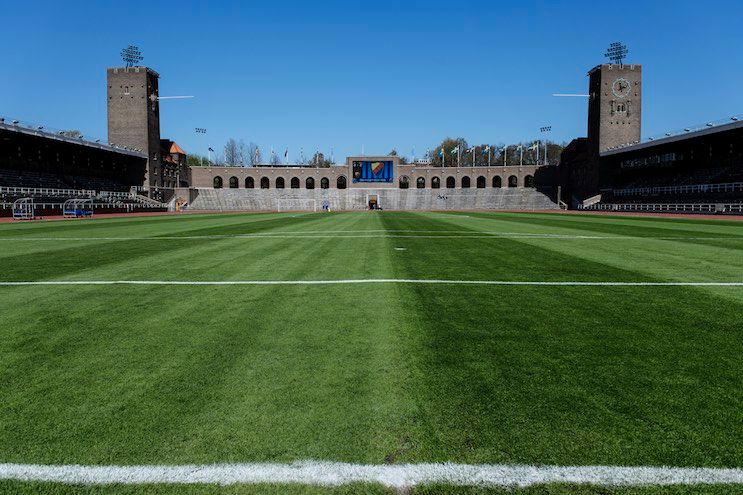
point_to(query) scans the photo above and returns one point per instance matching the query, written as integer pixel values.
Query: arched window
(420, 183)
(481, 182)
(497, 181)
(450, 182)
(435, 183)
(309, 183)
(529, 181)
(233, 182)
(294, 183)
(404, 182)
(513, 181)
(465, 182)
(324, 183)
(340, 183)
(217, 182)
(279, 183)
(264, 183)
(249, 183)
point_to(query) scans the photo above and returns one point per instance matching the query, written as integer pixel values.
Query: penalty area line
(393, 476)
(555, 283)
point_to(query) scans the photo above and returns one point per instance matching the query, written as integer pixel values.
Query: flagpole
(521, 160)
(505, 156)
(489, 152)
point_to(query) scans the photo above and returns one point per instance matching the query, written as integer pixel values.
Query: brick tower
(134, 115)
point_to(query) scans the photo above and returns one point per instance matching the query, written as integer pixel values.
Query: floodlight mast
(617, 52)
(131, 56)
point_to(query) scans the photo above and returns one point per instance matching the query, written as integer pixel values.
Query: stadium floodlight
(544, 129)
(131, 55)
(200, 130)
(617, 52)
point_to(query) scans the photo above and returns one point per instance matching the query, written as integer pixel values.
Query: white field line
(343, 235)
(400, 476)
(556, 283)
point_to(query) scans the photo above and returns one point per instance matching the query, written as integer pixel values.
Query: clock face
(621, 88)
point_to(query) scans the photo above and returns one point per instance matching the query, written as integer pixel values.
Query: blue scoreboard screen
(372, 171)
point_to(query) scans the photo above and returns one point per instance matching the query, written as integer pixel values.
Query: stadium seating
(357, 199)
(15, 178)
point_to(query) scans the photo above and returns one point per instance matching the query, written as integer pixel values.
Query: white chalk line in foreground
(394, 476)
(556, 283)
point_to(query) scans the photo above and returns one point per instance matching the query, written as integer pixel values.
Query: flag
(471, 150)
(441, 152)
(455, 150)
(519, 147)
(533, 147)
(485, 150)
(286, 152)
(210, 149)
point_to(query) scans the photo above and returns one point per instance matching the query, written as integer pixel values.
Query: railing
(668, 207)
(116, 194)
(98, 206)
(108, 199)
(690, 188)
(47, 191)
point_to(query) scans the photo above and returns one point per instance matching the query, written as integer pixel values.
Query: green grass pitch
(373, 374)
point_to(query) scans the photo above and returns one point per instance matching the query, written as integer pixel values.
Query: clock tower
(615, 106)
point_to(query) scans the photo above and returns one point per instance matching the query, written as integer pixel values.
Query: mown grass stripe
(378, 281)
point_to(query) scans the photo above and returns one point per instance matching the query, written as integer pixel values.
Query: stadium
(497, 325)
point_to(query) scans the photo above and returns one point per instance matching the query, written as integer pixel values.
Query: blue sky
(382, 75)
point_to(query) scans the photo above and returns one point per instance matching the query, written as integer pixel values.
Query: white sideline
(555, 283)
(378, 235)
(393, 476)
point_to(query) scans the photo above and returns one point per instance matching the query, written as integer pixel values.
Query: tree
(450, 159)
(403, 159)
(319, 160)
(253, 157)
(196, 160)
(275, 160)
(231, 157)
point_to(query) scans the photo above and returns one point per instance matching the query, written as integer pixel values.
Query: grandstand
(695, 171)
(518, 198)
(51, 167)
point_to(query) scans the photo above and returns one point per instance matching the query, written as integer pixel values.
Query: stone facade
(339, 177)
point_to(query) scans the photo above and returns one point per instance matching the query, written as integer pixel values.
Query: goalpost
(296, 205)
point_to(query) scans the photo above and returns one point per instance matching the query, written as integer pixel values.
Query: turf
(383, 373)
